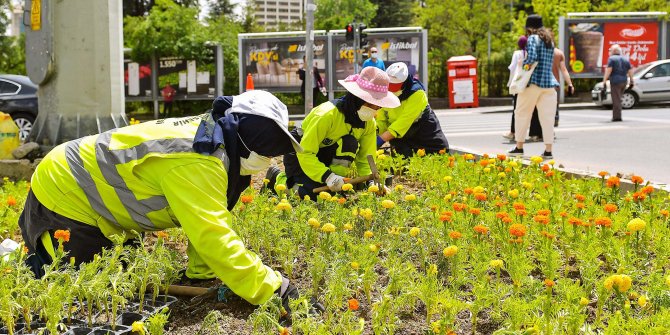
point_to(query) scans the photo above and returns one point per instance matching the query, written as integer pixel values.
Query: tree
(168, 30)
(224, 32)
(222, 8)
(393, 13)
(12, 50)
(335, 14)
(143, 7)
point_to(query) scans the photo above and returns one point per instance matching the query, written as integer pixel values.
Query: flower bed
(466, 246)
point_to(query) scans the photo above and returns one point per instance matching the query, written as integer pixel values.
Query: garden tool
(353, 181)
(199, 293)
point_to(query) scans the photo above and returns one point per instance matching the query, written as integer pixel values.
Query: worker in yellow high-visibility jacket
(178, 172)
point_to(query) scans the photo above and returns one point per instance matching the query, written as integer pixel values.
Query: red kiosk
(462, 81)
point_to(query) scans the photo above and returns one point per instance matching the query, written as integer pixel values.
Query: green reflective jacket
(323, 127)
(147, 177)
(398, 120)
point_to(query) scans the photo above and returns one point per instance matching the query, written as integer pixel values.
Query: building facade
(270, 13)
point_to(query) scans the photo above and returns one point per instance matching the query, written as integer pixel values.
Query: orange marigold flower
(580, 197)
(519, 205)
(647, 189)
(545, 167)
(246, 199)
(563, 214)
(341, 201)
(544, 212)
(665, 212)
(613, 181)
(353, 304)
(501, 215)
(639, 196)
(162, 234)
(455, 235)
(475, 211)
(543, 219)
(603, 221)
(444, 218)
(521, 212)
(459, 207)
(636, 179)
(603, 173)
(549, 283)
(480, 196)
(610, 208)
(284, 331)
(580, 205)
(481, 229)
(547, 235)
(517, 230)
(484, 162)
(500, 204)
(11, 201)
(442, 151)
(468, 190)
(433, 208)
(62, 235)
(549, 174)
(501, 157)
(507, 219)
(575, 221)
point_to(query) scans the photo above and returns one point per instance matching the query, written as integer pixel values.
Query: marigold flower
(448, 178)
(25, 250)
(62, 235)
(353, 304)
(410, 197)
(502, 175)
(442, 151)
(347, 187)
(480, 196)
(450, 251)
(603, 174)
(373, 189)
(521, 212)
(459, 207)
(314, 223)
(517, 230)
(484, 162)
(355, 265)
(328, 228)
(11, 201)
(580, 205)
(501, 215)
(575, 221)
(280, 187)
(549, 283)
(545, 167)
(284, 331)
(536, 159)
(543, 219)
(284, 205)
(664, 212)
(368, 234)
(501, 157)
(636, 224)
(388, 204)
(636, 179)
(247, 199)
(496, 263)
(138, 327)
(399, 187)
(469, 157)
(414, 231)
(603, 221)
(373, 247)
(549, 174)
(583, 301)
(547, 235)
(475, 211)
(580, 197)
(642, 301)
(455, 235)
(518, 205)
(325, 196)
(468, 190)
(162, 234)
(610, 208)
(608, 283)
(432, 269)
(421, 152)
(613, 181)
(481, 229)
(507, 219)
(622, 282)
(544, 212)
(667, 280)
(647, 189)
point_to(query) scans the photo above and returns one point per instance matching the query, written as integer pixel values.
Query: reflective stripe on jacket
(324, 126)
(147, 177)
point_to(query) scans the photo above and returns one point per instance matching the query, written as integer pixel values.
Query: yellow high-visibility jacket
(324, 126)
(398, 120)
(147, 177)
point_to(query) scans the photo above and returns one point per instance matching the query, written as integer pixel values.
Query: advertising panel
(274, 62)
(589, 42)
(393, 47)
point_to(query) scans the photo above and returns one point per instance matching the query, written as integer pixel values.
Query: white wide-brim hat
(371, 85)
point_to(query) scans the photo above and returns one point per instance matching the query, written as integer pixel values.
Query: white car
(652, 83)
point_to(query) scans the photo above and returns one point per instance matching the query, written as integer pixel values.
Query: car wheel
(628, 100)
(25, 123)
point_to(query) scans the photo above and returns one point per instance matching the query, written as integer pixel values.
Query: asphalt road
(586, 139)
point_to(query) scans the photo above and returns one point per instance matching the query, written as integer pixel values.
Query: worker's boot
(273, 175)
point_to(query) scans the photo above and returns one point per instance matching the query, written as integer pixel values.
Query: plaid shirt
(538, 52)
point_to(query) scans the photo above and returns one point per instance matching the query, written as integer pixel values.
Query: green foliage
(393, 13)
(224, 31)
(336, 14)
(12, 49)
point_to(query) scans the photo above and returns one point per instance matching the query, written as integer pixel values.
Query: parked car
(652, 83)
(18, 98)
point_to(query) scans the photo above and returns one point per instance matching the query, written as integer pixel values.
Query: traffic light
(350, 32)
(364, 36)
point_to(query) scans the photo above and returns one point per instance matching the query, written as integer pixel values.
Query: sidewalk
(508, 109)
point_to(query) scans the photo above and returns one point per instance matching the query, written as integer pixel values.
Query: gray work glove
(287, 292)
(335, 182)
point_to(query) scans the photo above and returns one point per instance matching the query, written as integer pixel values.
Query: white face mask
(255, 163)
(373, 55)
(366, 113)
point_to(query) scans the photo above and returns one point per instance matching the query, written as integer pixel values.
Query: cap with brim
(371, 85)
(262, 103)
(534, 21)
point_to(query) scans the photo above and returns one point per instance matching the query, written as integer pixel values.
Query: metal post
(154, 86)
(220, 77)
(357, 46)
(561, 46)
(309, 56)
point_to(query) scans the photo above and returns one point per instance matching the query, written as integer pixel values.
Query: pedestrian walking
(413, 125)
(541, 91)
(168, 98)
(618, 68)
(317, 84)
(187, 173)
(336, 134)
(374, 60)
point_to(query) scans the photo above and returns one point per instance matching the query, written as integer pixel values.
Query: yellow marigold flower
(536, 159)
(636, 224)
(410, 197)
(399, 188)
(623, 283)
(381, 157)
(368, 234)
(347, 227)
(432, 269)
(583, 301)
(284, 205)
(373, 189)
(314, 223)
(448, 197)
(266, 181)
(414, 231)
(421, 152)
(468, 157)
(496, 263)
(394, 230)
(642, 301)
(354, 212)
(513, 164)
(355, 265)
(513, 193)
(138, 327)
(306, 198)
(435, 326)
(448, 178)
(502, 175)
(450, 251)
(367, 214)
(347, 187)
(527, 185)
(280, 187)
(388, 204)
(608, 283)
(325, 196)
(373, 247)
(379, 152)
(328, 228)
(551, 162)
(487, 170)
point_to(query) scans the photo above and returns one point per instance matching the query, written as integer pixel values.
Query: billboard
(589, 40)
(274, 62)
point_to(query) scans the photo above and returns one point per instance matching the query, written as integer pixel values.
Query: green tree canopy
(336, 14)
(12, 49)
(393, 13)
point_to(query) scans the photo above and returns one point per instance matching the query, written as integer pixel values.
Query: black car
(18, 98)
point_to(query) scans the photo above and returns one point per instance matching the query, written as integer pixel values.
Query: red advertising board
(638, 41)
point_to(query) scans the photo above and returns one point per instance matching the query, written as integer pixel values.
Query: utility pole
(357, 46)
(310, 7)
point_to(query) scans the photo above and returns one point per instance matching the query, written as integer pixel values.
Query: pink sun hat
(371, 85)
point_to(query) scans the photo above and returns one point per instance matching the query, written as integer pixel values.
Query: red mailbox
(462, 81)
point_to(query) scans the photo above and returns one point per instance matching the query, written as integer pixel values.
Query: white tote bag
(521, 78)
